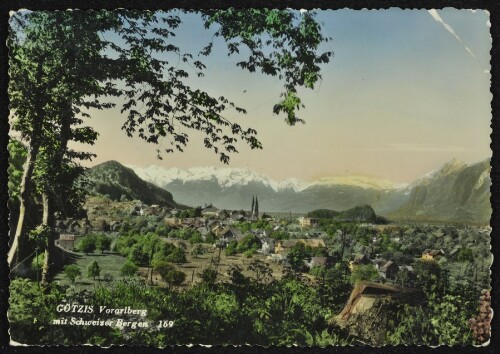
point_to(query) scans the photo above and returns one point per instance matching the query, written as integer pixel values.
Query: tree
(431, 278)
(72, 272)
(177, 256)
(209, 275)
(51, 86)
(296, 257)
(262, 270)
(231, 248)
(138, 255)
(129, 269)
(103, 243)
(93, 270)
(465, 255)
(197, 250)
(170, 274)
(364, 272)
(87, 244)
(249, 242)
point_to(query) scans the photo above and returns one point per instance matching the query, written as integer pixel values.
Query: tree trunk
(48, 222)
(19, 249)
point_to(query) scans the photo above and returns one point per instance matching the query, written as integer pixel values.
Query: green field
(110, 266)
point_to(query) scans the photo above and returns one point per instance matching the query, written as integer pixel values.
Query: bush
(209, 275)
(170, 274)
(129, 269)
(195, 238)
(231, 248)
(72, 272)
(318, 271)
(249, 253)
(87, 244)
(210, 237)
(177, 256)
(247, 243)
(37, 262)
(364, 272)
(197, 250)
(138, 255)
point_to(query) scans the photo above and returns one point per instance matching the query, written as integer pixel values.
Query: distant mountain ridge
(116, 181)
(454, 192)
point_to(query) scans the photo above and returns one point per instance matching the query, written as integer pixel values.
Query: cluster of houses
(389, 270)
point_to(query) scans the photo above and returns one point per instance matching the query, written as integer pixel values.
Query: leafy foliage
(364, 272)
(129, 269)
(170, 274)
(93, 270)
(72, 272)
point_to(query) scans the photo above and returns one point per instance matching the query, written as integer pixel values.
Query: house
(284, 246)
(307, 222)
(210, 211)
(432, 255)
(224, 232)
(173, 221)
(66, 241)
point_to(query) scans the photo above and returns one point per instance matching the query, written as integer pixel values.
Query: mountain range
(454, 192)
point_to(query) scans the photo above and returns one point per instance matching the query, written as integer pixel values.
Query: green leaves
(281, 43)
(288, 105)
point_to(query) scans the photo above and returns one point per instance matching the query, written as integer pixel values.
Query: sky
(406, 91)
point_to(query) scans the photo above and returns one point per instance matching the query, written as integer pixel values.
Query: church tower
(256, 211)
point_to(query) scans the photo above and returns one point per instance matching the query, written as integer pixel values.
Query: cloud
(438, 18)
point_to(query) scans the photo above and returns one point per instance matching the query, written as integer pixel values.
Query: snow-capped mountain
(454, 191)
(228, 177)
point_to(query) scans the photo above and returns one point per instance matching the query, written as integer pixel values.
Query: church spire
(256, 207)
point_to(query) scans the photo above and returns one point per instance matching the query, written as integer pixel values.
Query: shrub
(249, 253)
(197, 250)
(364, 272)
(177, 256)
(138, 255)
(37, 262)
(170, 274)
(87, 244)
(247, 243)
(209, 275)
(72, 271)
(231, 248)
(129, 269)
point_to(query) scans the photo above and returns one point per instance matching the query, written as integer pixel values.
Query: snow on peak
(225, 177)
(358, 181)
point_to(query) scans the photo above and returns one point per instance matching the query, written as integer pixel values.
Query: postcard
(250, 177)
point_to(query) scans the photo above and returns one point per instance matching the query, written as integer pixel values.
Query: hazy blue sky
(403, 93)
